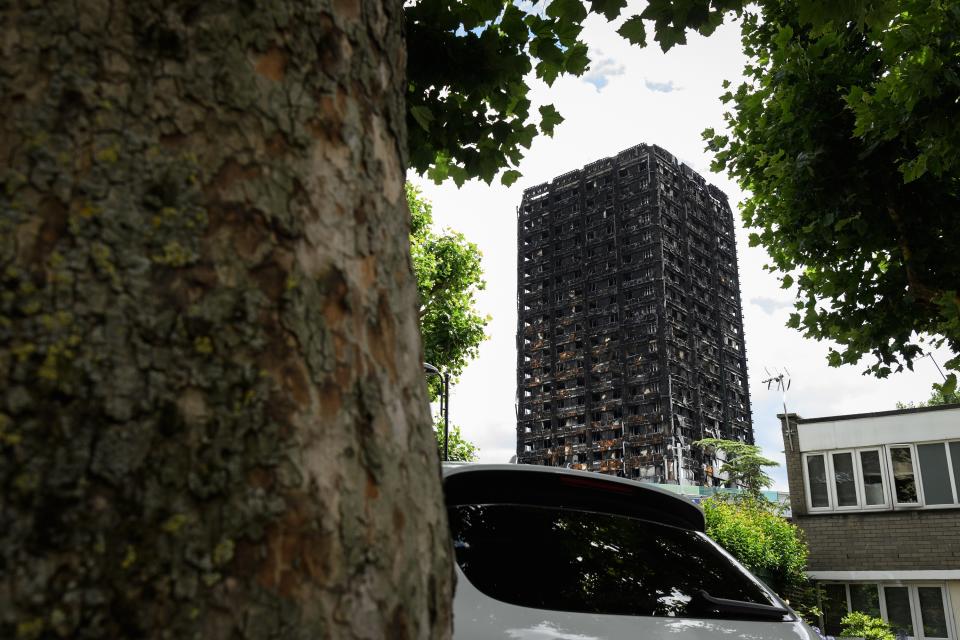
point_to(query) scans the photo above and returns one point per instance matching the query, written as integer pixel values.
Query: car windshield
(571, 560)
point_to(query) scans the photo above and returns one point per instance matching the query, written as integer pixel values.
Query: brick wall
(791, 448)
(883, 541)
(888, 540)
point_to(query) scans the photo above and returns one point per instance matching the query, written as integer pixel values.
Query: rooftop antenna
(930, 355)
(782, 380)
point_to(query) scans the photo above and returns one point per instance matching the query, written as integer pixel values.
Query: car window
(571, 560)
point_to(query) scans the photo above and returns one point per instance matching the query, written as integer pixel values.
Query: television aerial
(782, 380)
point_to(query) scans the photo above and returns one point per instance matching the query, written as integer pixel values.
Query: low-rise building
(878, 497)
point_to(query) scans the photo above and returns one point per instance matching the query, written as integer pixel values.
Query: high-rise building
(630, 340)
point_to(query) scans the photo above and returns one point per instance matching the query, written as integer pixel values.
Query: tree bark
(213, 420)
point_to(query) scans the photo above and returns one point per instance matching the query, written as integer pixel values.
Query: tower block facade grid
(630, 339)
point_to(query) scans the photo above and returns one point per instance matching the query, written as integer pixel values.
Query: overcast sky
(631, 96)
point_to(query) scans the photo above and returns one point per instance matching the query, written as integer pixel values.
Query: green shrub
(755, 533)
(860, 625)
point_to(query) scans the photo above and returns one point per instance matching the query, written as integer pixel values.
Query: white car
(552, 554)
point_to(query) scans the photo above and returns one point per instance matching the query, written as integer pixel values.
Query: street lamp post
(444, 405)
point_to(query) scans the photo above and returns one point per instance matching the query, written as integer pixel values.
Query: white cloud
(662, 87)
(601, 70)
(770, 305)
(599, 124)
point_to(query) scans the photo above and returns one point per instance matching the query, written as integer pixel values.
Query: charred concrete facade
(630, 331)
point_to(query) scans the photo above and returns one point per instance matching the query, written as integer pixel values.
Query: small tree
(461, 449)
(860, 625)
(744, 464)
(449, 273)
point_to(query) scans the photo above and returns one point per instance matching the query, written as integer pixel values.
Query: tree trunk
(213, 420)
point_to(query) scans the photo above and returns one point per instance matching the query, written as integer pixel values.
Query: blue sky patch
(661, 87)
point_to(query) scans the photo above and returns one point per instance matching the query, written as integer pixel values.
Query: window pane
(904, 485)
(872, 478)
(834, 608)
(596, 562)
(844, 480)
(865, 599)
(934, 473)
(817, 472)
(933, 619)
(898, 609)
(955, 459)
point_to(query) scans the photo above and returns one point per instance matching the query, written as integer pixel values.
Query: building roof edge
(872, 414)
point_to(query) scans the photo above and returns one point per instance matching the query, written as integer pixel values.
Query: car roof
(474, 483)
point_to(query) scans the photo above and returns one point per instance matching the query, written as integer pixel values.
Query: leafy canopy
(938, 397)
(844, 134)
(744, 464)
(449, 273)
(461, 449)
(757, 535)
(469, 111)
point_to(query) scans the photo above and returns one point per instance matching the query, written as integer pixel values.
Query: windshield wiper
(742, 607)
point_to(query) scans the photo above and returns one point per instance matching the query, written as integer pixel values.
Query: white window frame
(806, 483)
(884, 481)
(953, 478)
(945, 603)
(910, 603)
(953, 484)
(913, 599)
(890, 501)
(917, 479)
(832, 481)
(833, 503)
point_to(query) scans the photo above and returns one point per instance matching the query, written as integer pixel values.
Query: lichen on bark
(212, 418)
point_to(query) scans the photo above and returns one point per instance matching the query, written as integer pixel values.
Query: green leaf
(438, 173)
(609, 8)
(949, 386)
(526, 135)
(567, 32)
(548, 72)
(549, 118)
(509, 177)
(784, 36)
(485, 10)
(914, 169)
(567, 10)
(669, 36)
(634, 31)
(547, 50)
(459, 174)
(577, 60)
(512, 24)
(786, 281)
(423, 116)
(541, 28)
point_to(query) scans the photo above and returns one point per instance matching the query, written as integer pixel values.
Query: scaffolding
(630, 341)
